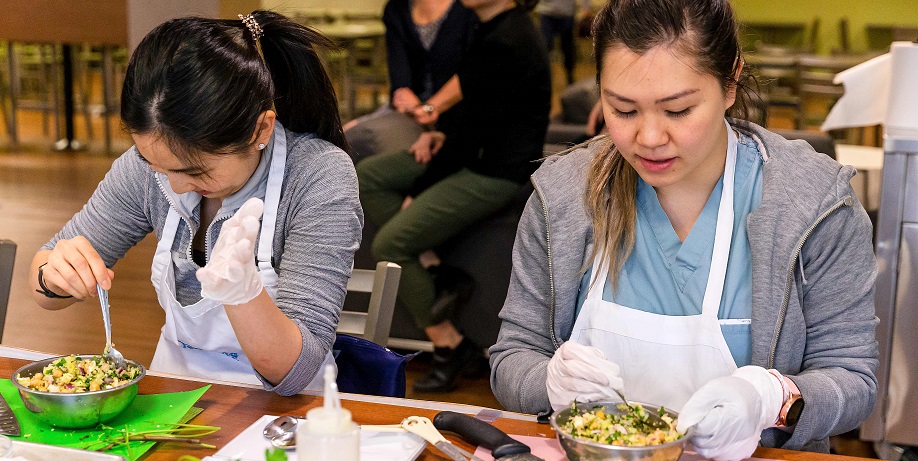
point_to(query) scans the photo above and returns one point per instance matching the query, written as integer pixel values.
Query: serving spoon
(281, 431)
(654, 420)
(109, 352)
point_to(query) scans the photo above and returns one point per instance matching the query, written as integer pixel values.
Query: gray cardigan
(813, 272)
(319, 222)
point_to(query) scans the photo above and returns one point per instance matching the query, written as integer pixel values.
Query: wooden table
(234, 407)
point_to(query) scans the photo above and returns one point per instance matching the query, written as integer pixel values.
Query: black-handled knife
(9, 425)
(478, 432)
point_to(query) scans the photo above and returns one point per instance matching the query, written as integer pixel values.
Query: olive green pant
(434, 216)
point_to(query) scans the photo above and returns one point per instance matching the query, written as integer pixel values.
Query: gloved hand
(730, 413)
(231, 275)
(582, 373)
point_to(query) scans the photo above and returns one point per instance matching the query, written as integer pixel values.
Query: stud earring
(261, 146)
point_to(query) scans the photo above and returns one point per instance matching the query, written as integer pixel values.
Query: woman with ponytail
(689, 258)
(239, 168)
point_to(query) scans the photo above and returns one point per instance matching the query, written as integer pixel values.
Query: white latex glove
(231, 275)
(582, 373)
(730, 413)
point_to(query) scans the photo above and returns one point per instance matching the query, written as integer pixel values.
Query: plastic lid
(330, 418)
(328, 422)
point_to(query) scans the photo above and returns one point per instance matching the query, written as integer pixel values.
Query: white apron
(664, 359)
(198, 339)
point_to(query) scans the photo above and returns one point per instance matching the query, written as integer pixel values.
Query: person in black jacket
(450, 179)
(425, 42)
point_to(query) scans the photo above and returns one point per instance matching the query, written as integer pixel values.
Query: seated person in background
(447, 181)
(700, 263)
(556, 19)
(425, 42)
(204, 109)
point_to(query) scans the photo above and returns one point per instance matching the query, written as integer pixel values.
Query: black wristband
(44, 289)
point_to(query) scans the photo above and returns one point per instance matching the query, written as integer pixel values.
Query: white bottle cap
(330, 418)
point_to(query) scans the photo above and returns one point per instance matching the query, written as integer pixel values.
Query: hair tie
(252, 25)
(257, 33)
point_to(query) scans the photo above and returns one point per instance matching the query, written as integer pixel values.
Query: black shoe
(446, 367)
(453, 287)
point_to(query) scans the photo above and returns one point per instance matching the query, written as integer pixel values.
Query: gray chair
(382, 284)
(7, 259)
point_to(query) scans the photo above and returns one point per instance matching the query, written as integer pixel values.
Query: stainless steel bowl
(80, 410)
(583, 450)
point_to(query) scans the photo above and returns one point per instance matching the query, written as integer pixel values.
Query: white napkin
(881, 90)
(250, 445)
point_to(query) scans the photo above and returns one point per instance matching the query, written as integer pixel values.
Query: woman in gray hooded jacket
(703, 264)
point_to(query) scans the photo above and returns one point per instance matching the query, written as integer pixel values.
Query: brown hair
(703, 29)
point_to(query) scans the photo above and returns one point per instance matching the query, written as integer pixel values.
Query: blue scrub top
(665, 276)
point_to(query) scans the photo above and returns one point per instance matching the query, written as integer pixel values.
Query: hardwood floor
(39, 192)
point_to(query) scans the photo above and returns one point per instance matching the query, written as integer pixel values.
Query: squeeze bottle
(328, 434)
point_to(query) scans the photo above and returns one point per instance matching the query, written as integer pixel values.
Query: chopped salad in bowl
(76, 391)
(614, 431)
(75, 374)
(627, 427)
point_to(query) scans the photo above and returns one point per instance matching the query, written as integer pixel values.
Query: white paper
(250, 445)
(902, 114)
(866, 95)
(880, 91)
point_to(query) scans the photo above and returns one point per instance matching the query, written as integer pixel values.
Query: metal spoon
(281, 431)
(654, 420)
(109, 352)
(285, 441)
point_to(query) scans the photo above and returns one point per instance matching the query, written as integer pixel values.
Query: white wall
(143, 15)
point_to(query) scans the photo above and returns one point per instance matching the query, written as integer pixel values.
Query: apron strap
(723, 235)
(599, 278)
(164, 246)
(272, 198)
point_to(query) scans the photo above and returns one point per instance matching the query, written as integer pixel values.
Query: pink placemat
(547, 449)
(550, 450)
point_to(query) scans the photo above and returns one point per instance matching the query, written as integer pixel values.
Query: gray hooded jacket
(813, 272)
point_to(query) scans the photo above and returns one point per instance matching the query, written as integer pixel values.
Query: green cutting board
(146, 412)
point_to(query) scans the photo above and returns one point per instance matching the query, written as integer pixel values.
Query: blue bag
(365, 367)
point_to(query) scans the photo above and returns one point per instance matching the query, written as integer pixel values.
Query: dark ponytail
(201, 85)
(303, 93)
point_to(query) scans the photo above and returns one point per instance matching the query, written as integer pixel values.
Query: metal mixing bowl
(583, 450)
(80, 410)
